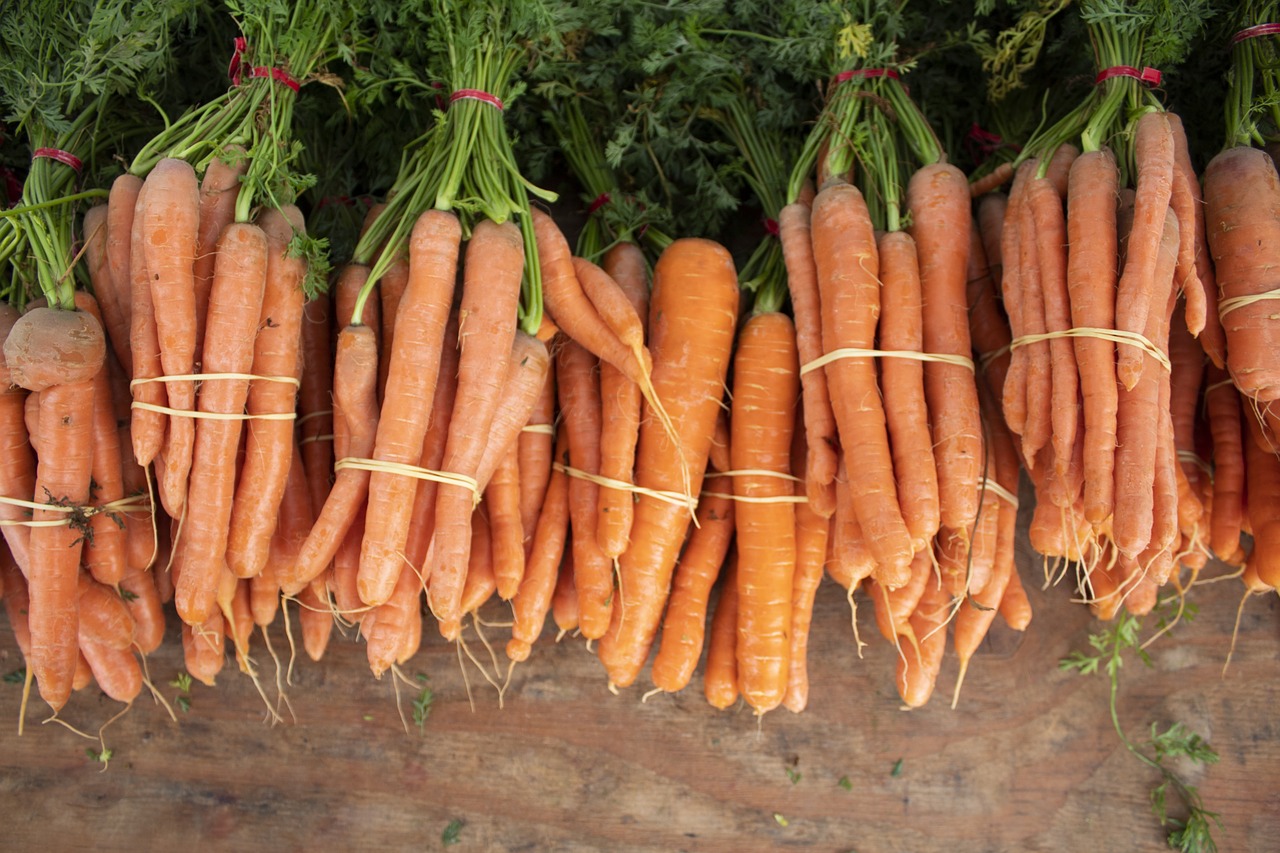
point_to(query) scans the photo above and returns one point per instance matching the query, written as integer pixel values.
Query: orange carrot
(147, 426)
(811, 552)
(1212, 337)
(531, 602)
(766, 385)
(203, 647)
(315, 397)
(219, 190)
(820, 425)
(1015, 607)
(145, 607)
(115, 670)
(720, 678)
(104, 549)
(490, 292)
(269, 443)
(235, 305)
(1223, 403)
(988, 327)
(121, 204)
(17, 462)
(919, 663)
(535, 447)
(564, 599)
(391, 289)
(847, 265)
(692, 315)
(317, 623)
(506, 535)
(411, 381)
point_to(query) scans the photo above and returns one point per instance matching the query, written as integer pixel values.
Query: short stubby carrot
(766, 385)
(847, 264)
(235, 306)
(693, 312)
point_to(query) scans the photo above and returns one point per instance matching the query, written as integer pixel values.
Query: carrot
(564, 599)
(411, 381)
(422, 527)
(63, 472)
(692, 314)
(919, 663)
(355, 378)
(295, 522)
(1015, 607)
(620, 310)
(1058, 172)
(684, 624)
(938, 199)
(391, 289)
(1013, 399)
(893, 607)
(811, 552)
(990, 222)
(389, 624)
(115, 670)
(1187, 359)
(851, 558)
(118, 314)
(904, 408)
(993, 180)
(579, 391)
(720, 678)
(104, 547)
(527, 366)
(620, 400)
(1038, 428)
(219, 189)
(1183, 200)
(346, 565)
(490, 292)
(235, 305)
(766, 385)
(269, 442)
(1241, 187)
(143, 600)
(1223, 403)
(17, 602)
(1139, 413)
(794, 225)
(988, 327)
(239, 624)
(147, 426)
(847, 265)
(317, 623)
(1153, 151)
(104, 617)
(1262, 473)
(1091, 282)
(202, 645)
(531, 602)
(17, 461)
(535, 448)
(169, 218)
(315, 397)
(481, 583)
(1212, 338)
(506, 533)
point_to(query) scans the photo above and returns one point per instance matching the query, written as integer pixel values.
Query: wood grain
(1027, 761)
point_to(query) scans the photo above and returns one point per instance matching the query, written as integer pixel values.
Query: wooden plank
(1028, 761)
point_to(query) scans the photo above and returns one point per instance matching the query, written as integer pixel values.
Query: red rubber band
(601, 201)
(66, 158)
(771, 226)
(1255, 32)
(235, 69)
(1150, 76)
(477, 95)
(846, 76)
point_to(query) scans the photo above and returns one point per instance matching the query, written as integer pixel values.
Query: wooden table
(1026, 762)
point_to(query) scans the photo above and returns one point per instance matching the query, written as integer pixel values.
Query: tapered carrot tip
(518, 650)
(47, 347)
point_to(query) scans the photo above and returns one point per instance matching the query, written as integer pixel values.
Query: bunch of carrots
(609, 433)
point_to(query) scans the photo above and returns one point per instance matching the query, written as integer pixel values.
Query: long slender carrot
(536, 442)
(692, 315)
(919, 663)
(1013, 400)
(411, 383)
(794, 226)
(219, 189)
(1262, 469)
(1184, 198)
(490, 292)
(391, 288)
(579, 391)
(988, 326)
(505, 526)
(17, 461)
(147, 425)
(169, 219)
(1153, 152)
(990, 221)
(315, 397)
(811, 552)
(1223, 403)
(938, 199)
(117, 314)
(905, 412)
(720, 677)
(269, 441)
(766, 385)
(1212, 338)
(105, 549)
(531, 602)
(564, 599)
(847, 264)
(235, 306)
(1038, 429)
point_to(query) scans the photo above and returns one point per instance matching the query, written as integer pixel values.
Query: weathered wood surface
(1027, 761)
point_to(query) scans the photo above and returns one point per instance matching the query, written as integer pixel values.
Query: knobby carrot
(919, 663)
(692, 315)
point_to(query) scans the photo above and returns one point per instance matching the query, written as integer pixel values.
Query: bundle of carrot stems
(659, 443)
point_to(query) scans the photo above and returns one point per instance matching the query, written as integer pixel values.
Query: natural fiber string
(985, 359)
(313, 438)
(1190, 457)
(673, 498)
(313, 415)
(1222, 383)
(129, 504)
(214, 416)
(1001, 492)
(757, 499)
(539, 429)
(200, 377)
(1116, 336)
(1226, 306)
(858, 352)
(380, 466)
